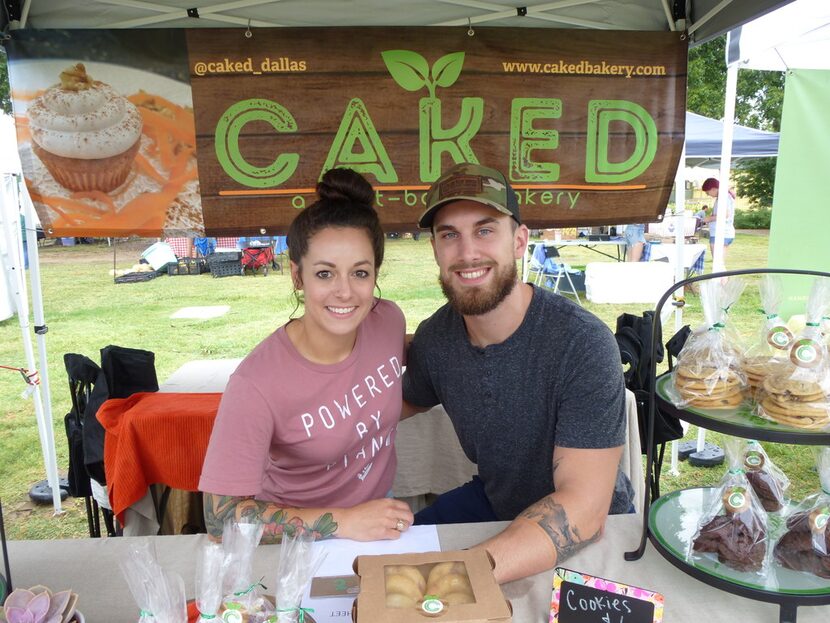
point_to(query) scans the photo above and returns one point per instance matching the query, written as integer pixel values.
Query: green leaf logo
(411, 70)
(447, 69)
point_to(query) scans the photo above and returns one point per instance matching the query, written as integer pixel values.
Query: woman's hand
(375, 520)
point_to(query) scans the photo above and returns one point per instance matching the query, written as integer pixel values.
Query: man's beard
(482, 299)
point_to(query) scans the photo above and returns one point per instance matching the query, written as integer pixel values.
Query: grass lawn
(86, 311)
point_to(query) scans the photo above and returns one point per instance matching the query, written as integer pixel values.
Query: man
(532, 382)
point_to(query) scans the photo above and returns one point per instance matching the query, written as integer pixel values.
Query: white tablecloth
(90, 567)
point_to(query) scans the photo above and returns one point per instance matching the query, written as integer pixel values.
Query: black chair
(83, 374)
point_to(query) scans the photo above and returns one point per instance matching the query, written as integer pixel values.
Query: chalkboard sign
(582, 598)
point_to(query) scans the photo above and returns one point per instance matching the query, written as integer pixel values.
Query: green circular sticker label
(432, 605)
(232, 616)
(754, 460)
(736, 499)
(820, 519)
(805, 353)
(780, 338)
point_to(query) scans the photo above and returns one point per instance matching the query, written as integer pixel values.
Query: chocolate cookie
(738, 539)
(796, 549)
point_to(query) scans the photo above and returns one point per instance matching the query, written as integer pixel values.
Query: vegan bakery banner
(207, 131)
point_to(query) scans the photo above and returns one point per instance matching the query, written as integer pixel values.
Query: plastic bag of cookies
(708, 372)
(805, 546)
(766, 478)
(735, 525)
(797, 394)
(771, 348)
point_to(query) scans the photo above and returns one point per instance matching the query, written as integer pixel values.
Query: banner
(587, 125)
(800, 218)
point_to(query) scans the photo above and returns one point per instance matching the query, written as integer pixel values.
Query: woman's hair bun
(345, 184)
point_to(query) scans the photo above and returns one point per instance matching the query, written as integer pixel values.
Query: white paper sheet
(340, 554)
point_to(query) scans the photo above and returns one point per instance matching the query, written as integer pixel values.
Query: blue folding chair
(549, 268)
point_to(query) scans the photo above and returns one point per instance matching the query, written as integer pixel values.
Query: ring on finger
(400, 526)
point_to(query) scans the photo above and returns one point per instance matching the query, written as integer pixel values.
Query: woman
(711, 187)
(305, 429)
(635, 240)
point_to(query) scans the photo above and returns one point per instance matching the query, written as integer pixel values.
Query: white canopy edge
(795, 36)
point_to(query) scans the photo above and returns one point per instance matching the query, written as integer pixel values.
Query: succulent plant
(39, 605)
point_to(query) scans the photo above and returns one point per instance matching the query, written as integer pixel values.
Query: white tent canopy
(701, 19)
(704, 19)
(796, 36)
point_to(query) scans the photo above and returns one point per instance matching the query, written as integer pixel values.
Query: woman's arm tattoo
(218, 508)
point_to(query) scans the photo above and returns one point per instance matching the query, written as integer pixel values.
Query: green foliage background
(758, 105)
(5, 101)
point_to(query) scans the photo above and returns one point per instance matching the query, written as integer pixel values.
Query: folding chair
(553, 270)
(83, 374)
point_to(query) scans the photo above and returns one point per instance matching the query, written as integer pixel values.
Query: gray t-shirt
(557, 381)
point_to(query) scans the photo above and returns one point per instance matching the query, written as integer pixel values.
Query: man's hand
(562, 523)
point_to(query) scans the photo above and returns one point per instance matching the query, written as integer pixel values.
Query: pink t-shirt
(308, 435)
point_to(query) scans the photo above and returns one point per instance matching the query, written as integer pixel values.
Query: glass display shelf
(741, 421)
(673, 520)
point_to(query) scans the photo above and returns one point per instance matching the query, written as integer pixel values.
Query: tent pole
(40, 332)
(718, 263)
(679, 240)
(17, 284)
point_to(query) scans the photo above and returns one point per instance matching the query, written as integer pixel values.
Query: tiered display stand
(670, 521)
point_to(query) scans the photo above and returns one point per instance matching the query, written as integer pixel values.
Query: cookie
(727, 402)
(709, 374)
(782, 384)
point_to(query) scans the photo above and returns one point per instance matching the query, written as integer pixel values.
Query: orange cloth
(155, 438)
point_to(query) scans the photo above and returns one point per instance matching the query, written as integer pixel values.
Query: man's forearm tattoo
(554, 521)
(218, 508)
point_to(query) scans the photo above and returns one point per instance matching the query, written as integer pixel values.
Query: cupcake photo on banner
(107, 149)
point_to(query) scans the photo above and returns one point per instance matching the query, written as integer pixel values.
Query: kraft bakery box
(450, 587)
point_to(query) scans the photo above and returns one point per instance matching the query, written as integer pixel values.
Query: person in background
(531, 381)
(23, 242)
(635, 240)
(712, 188)
(304, 434)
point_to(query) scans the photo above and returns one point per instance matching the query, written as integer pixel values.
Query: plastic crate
(224, 256)
(187, 266)
(226, 269)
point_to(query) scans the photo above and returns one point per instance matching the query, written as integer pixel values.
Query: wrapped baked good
(767, 480)
(734, 527)
(449, 582)
(405, 586)
(299, 560)
(771, 348)
(159, 594)
(210, 573)
(798, 392)
(708, 372)
(243, 601)
(805, 546)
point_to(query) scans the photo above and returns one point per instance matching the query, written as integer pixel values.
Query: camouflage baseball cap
(473, 182)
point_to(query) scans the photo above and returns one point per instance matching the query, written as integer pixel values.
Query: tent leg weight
(41, 492)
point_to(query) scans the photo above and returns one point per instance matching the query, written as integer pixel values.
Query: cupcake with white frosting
(85, 133)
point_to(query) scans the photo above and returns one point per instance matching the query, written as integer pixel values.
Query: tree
(758, 105)
(5, 101)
